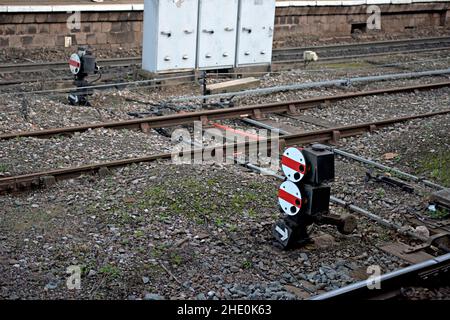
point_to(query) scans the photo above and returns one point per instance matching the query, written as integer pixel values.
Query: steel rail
(317, 84)
(387, 43)
(218, 114)
(356, 56)
(63, 65)
(435, 269)
(27, 181)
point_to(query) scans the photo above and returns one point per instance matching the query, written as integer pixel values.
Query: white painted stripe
(66, 8)
(289, 173)
(286, 207)
(140, 7)
(401, 1)
(353, 2)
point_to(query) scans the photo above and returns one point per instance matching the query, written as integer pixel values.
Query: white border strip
(71, 8)
(140, 7)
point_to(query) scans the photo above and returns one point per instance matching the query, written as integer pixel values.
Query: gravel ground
(412, 151)
(209, 226)
(29, 155)
(155, 231)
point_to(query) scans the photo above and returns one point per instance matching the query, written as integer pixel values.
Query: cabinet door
(217, 33)
(255, 33)
(177, 34)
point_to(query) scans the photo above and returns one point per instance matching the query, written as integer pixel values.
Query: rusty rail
(219, 114)
(49, 177)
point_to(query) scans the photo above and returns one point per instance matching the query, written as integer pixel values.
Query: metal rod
(265, 126)
(320, 84)
(384, 167)
(380, 220)
(354, 157)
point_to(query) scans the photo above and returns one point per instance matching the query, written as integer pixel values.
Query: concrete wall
(124, 28)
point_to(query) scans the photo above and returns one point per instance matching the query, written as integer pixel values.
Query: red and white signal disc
(74, 63)
(289, 198)
(293, 164)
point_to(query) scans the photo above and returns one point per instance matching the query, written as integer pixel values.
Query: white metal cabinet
(170, 34)
(217, 33)
(255, 32)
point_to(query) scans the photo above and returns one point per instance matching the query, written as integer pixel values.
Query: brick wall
(100, 29)
(124, 29)
(337, 21)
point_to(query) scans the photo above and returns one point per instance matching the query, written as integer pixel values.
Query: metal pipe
(265, 126)
(380, 220)
(384, 167)
(318, 84)
(100, 86)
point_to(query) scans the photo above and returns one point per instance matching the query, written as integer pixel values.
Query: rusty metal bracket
(441, 240)
(145, 128)
(336, 135)
(257, 114)
(292, 110)
(204, 120)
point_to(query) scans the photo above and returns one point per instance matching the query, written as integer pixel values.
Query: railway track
(433, 271)
(63, 65)
(46, 178)
(366, 49)
(282, 56)
(219, 114)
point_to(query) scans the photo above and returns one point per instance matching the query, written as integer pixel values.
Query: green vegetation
(437, 166)
(384, 235)
(438, 214)
(176, 259)
(158, 251)
(381, 193)
(4, 167)
(247, 264)
(110, 271)
(199, 200)
(139, 233)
